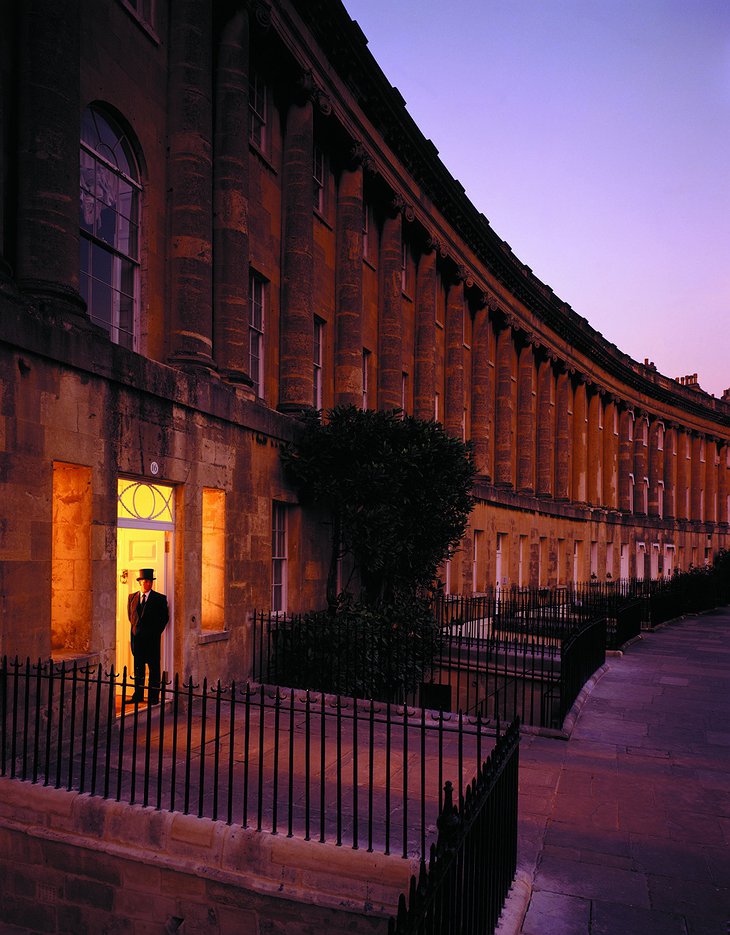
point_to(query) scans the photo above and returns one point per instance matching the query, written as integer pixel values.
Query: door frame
(127, 521)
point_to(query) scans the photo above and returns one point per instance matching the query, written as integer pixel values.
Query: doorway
(145, 532)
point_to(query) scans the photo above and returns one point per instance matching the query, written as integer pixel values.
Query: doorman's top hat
(146, 574)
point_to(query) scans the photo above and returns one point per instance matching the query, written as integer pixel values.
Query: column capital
(357, 156)
(395, 205)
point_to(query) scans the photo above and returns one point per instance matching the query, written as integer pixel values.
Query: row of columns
(557, 435)
(536, 427)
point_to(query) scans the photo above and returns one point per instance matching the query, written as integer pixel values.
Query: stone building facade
(215, 214)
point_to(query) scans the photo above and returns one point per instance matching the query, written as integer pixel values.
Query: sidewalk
(625, 828)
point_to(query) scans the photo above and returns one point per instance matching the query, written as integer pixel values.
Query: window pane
(101, 303)
(109, 206)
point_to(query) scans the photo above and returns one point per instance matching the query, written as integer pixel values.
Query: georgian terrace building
(213, 215)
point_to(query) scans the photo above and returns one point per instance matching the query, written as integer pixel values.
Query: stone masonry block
(28, 914)
(191, 832)
(89, 893)
(139, 826)
(169, 883)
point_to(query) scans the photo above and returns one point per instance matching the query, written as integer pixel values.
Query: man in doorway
(148, 615)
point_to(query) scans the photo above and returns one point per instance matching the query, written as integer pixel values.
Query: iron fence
(473, 862)
(357, 773)
(494, 656)
(626, 625)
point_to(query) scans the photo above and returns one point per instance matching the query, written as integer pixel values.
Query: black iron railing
(357, 773)
(473, 863)
(494, 656)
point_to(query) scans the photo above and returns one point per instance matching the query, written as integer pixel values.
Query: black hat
(146, 574)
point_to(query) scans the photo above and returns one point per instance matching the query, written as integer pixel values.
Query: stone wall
(72, 863)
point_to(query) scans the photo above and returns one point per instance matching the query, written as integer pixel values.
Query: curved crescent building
(215, 214)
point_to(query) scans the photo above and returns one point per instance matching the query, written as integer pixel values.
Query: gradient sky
(595, 136)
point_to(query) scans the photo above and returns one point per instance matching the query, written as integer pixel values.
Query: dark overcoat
(150, 625)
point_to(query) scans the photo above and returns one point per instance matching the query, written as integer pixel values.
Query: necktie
(140, 610)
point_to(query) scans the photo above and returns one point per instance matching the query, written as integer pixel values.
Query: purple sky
(595, 136)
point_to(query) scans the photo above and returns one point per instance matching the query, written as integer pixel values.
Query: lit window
(278, 557)
(109, 221)
(403, 393)
(404, 268)
(258, 112)
(256, 301)
(317, 362)
(319, 179)
(213, 560)
(631, 426)
(660, 436)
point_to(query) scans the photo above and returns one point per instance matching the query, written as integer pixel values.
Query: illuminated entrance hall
(145, 535)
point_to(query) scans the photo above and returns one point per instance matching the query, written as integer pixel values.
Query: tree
(398, 490)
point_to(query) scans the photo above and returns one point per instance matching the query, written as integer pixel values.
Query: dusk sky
(595, 136)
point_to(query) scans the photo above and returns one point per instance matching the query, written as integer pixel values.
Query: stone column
(49, 133)
(454, 402)
(390, 363)
(656, 468)
(424, 387)
(610, 454)
(710, 481)
(482, 394)
(230, 202)
(641, 462)
(670, 472)
(190, 180)
(526, 419)
(625, 461)
(697, 475)
(348, 282)
(580, 442)
(546, 428)
(596, 429)
(297, 296)
(505, 416)
(563, 436)
(8, 143)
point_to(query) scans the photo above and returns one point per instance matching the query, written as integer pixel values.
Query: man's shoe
(133, 700)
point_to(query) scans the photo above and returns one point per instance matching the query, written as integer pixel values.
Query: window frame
(366, 358)
(258, 111)
(279, 556)
(319, 178)
(123, 266)
(318, 362)
(257, 331)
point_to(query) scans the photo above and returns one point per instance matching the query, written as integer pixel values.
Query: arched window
(109, 220)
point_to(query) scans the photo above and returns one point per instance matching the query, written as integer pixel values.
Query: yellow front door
(136, 549)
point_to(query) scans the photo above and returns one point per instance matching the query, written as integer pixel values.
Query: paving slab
(625, 822)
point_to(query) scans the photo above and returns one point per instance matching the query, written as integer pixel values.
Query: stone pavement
(624, 828)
